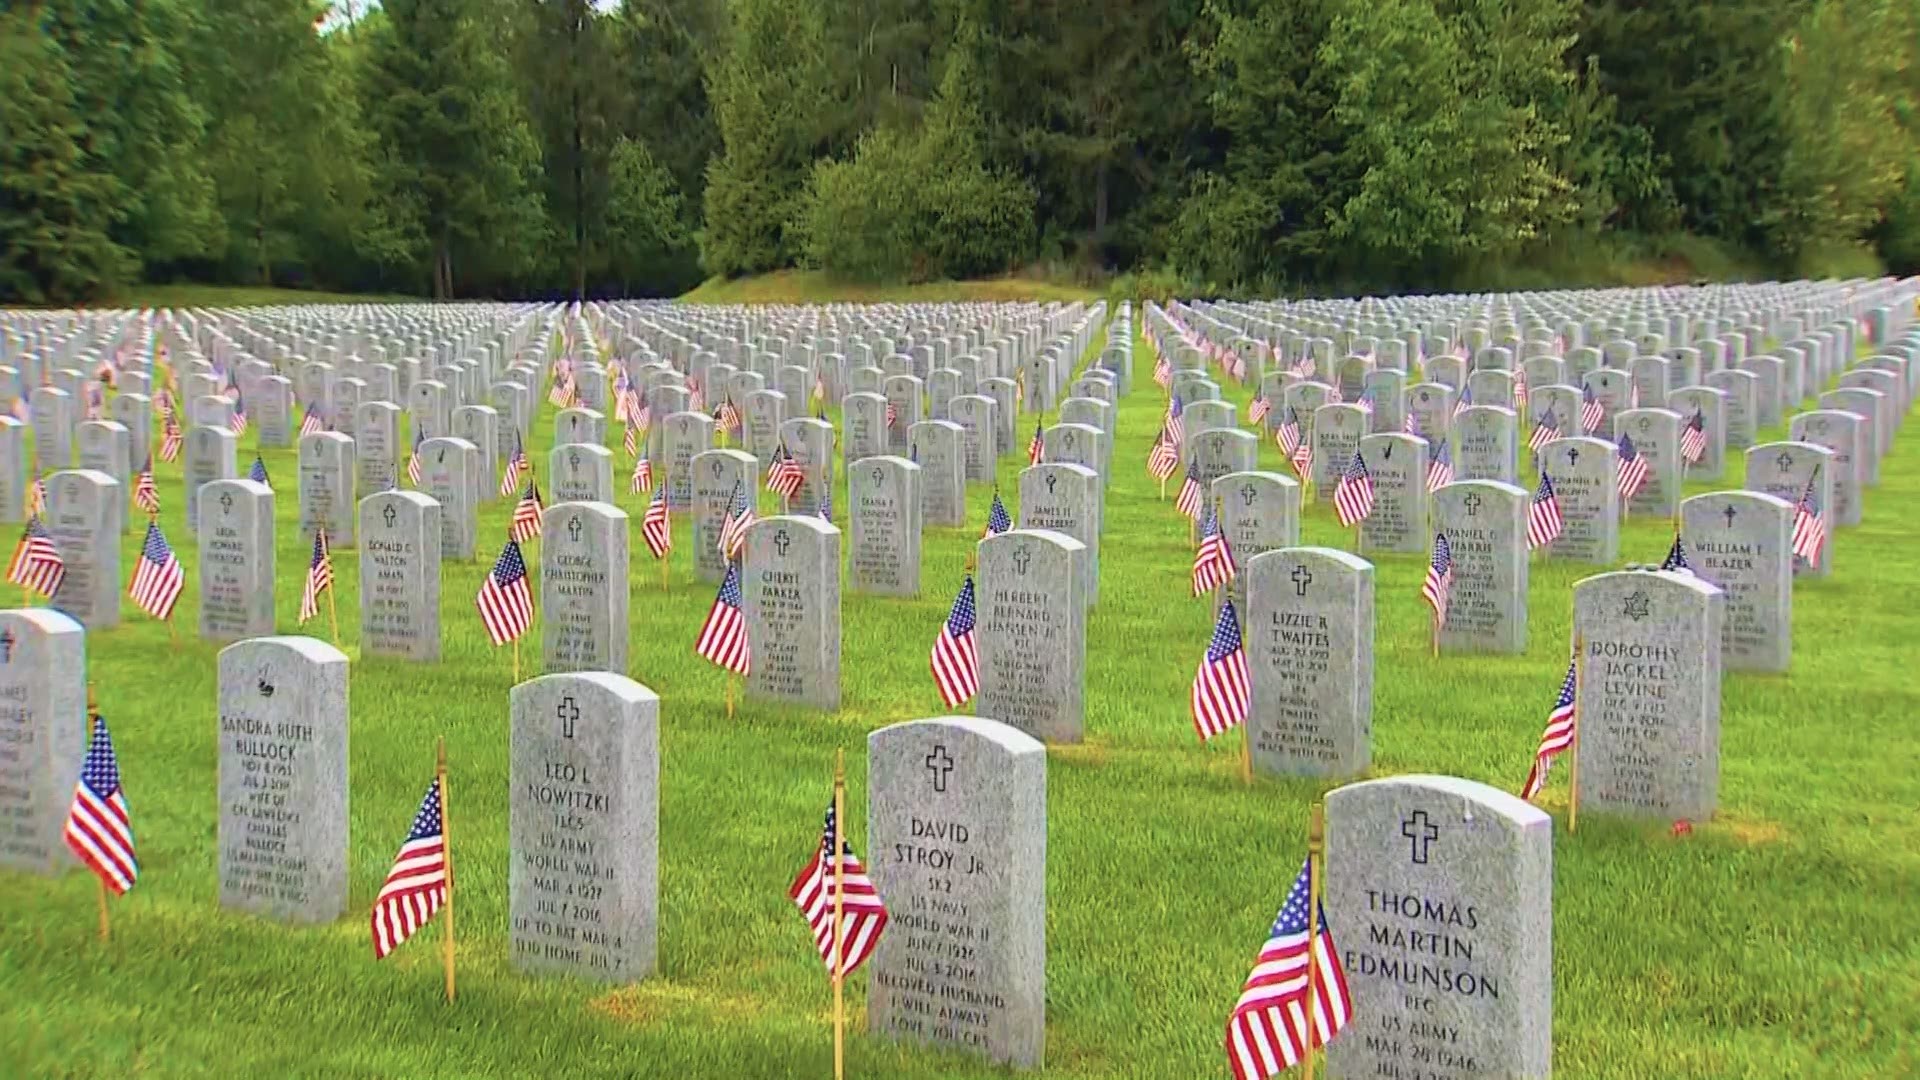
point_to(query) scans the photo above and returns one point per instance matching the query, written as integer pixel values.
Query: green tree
(58, 202)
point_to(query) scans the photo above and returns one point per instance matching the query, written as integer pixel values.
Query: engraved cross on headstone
(573, 529)
(1247, 494)
(1729, 513)
(1020, 560)
(1302, 577)
(781, 540)
(568, 712)
(1573, 456)
(938, 766)
(226, 502)
(1053, 480)
(389, 514)
(1422, 832)
(1472, 503)
(1785, 461)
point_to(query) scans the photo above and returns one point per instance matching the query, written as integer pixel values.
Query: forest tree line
(556, 147)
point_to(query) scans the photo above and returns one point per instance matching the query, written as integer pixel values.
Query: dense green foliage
(549, 147)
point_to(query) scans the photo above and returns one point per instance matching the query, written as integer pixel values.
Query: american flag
(727, 416)
(998, 520)
(786, 477)
(1222, 688)
(169, 440)
(1257, 412)
(893, 414)
(1591, 411)
(1287, 435)
(642, 476)
(417, 885)
(1676, 559)
(1809, 522)
(1365, 403)
(516, 464)
(413, 459)
(643, 419)
(319, 576)
(526, 513)
(1036, 445)
(98, 827)
(1162, 372)
(1520, 391)
(238, 423)
(1463, 402)
(1353, 496)
(158, 580)
(631, 440)
(1269, 1031)
(723, 637)
(1438, 586)
(313, 424)
(862, 916)
(819, 386)
(696, 396)
(258, 474)
(1693, 438)
(1544, 524)
(739, 518)
(622, 399)
(1212, 562)
(37, 564)
(1632, 473)
(506, 599)
(826, 504)
(1558, 737)
(145, 495)
(1192, 498)
(1545, 430)
(562, 393)
(656, 527)
(1411, 425)
(956, 666)
(1440, 467)
(1163, 458)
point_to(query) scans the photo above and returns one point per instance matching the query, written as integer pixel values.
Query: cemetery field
(1780, 938)
(816, 287)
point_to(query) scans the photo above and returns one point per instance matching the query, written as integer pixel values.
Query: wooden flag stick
(1434, 643)
(1246, 752)
(1573, 751)
(446, 854)
(729, 697)
(1316, 844)
(516, 661)
(839, 911)
(333, 614)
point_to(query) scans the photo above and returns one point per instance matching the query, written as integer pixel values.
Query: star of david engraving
(1638, 607)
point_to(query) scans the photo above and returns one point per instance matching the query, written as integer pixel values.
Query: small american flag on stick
(1353, 496)
(526, 513)
(656, 527)
(506, 600)
(37, 564)
(1274, 1024)
(1544, 523)
(158, 580)
(1222, 687)
(1438, 586)
(723, 637)
(955, 663)
(1559, 735)
(417, 885)
(145, 495)
(99, 829)
(1809, 522)
(1693, 438)
(1212, 561)
(845, 946)
(319, 576)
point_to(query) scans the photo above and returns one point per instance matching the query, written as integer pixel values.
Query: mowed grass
(1779, 939)
(231, 296)
(817, 287)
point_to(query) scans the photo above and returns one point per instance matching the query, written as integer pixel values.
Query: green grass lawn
(211, 296)
(816, 287)
(1782, 938)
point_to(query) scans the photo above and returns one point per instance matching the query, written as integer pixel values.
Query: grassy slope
(1772, 941)
(815, 287)
(246, 296)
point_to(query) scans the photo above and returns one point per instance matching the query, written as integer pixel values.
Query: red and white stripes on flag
(37, 564)
(417, 885)
(506, 600)
(1212, 560)
(1353, 496)
(99, 830)
(1222, 687)
(158, 579)
(319, 576)
(955, 663)
(1559, 735)
(656, 527)
(1269, 1031)
(723, 637)
(1437, 589)
(1544, 523)
(1809, 521)
(863, 918)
